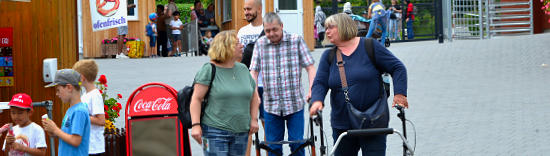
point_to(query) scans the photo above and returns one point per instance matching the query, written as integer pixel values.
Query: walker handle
(369, 132)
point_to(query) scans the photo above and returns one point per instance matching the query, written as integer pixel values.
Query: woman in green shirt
(232, 110)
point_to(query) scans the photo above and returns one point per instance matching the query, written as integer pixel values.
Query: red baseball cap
(21, 100)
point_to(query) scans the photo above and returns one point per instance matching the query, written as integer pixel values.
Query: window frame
(134, 17)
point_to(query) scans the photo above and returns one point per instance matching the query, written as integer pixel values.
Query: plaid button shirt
(281, 67)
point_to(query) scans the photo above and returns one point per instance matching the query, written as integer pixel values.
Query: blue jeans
(372, 27)
(218, 142)
(275, 130)
(410, 32)
(370, 146)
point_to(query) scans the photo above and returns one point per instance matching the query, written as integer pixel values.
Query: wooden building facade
(136, 27)
(41, 29)
(231, 15)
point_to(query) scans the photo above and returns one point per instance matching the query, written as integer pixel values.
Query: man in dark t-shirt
(161, 30)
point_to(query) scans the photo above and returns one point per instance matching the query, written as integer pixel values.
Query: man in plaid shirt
(280, 57)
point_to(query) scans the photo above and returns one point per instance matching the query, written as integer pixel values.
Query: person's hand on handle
(316, 106)
(253, 126)
(196, 133)
(400, 99)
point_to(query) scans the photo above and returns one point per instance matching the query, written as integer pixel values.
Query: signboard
(108, 14)
(6, 57)
(152, 100)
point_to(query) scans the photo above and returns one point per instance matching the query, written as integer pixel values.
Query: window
(288, 5)
(133, 11)
(226, 11)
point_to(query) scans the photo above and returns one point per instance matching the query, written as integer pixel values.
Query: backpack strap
(209, 87)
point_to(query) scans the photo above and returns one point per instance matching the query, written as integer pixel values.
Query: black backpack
(249, 50)
(184, 101)
(370, 52)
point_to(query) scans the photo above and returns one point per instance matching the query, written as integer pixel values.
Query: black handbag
(376, 116)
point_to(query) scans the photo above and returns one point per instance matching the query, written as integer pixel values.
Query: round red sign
(152, 99)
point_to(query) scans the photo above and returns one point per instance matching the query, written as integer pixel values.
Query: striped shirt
(281, 67)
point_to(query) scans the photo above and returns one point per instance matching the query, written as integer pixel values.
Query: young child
(27, 137)
(74, 135)
(151, 30)
(207, 38)
(176, 26)
(88, 70)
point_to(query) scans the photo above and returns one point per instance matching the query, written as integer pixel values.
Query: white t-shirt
(94, 100)
(176, 24)
(31, 136)
(249, 34)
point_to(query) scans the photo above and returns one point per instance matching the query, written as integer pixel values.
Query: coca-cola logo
(160, 104)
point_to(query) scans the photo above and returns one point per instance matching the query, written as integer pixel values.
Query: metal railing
(483, 19)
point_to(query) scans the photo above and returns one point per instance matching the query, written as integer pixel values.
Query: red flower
(103, 80)
(118, 105)
(119, 96)
(106, 115)
(106, 86)
(101, 91)
(105, 107)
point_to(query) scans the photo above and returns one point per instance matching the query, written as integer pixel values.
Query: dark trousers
(162, 41)
(370, 146)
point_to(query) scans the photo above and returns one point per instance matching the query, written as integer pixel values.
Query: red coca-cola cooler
(152, 125)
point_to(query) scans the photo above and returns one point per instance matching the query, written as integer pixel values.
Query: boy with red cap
(27, 137)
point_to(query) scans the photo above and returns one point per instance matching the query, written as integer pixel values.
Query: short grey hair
(272, 17)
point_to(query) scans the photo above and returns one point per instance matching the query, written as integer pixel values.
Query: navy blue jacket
(362, 77)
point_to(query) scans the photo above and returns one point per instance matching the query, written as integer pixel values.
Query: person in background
(122, 32)
(409, 18)
(207, 38)
(170, 8)
(248, 35)
(151, 30)
(210, 14)
(197, 6)
(319, 23)
(176, 25)
(162, 27)
(395, 20)
(377, 14)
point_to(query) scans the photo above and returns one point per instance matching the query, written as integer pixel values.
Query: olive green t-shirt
(228, 105)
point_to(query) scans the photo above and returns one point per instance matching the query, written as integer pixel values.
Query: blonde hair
(87, 69)
(223, 46)
(347, 28)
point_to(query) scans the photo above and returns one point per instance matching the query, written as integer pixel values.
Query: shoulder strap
(211, 80)
(369, 48)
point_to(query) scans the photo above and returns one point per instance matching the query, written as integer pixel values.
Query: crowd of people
(165, 29)
(272, 93)
(388, 19)
(241, 95)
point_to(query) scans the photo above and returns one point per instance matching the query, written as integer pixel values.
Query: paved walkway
(474, 97)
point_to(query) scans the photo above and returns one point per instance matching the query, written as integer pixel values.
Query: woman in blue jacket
(363, 80)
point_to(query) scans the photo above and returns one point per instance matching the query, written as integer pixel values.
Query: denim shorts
(218, 142)
(152, 41)
(176, 37)
(122, 30)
